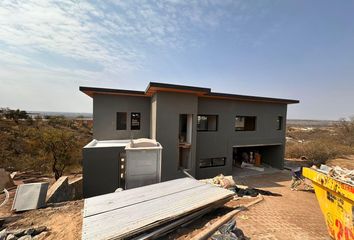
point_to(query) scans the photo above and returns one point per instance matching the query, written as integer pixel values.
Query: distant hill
(310, 123)
(69, 115)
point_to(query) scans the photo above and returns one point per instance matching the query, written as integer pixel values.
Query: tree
(61, 145)
(13, 114)
(345, 130)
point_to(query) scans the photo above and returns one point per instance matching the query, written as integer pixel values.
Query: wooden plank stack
(150, 210)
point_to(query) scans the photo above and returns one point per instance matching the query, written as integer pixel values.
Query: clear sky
(289, 49)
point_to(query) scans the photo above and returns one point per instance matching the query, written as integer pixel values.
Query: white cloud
(113, 34)
(117, 36)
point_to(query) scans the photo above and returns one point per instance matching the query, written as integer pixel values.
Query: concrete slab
(60, 191)
(247, 172)
(77, 189)
(30, 196)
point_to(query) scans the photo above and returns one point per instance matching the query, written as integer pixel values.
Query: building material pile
(338, 173)
(150, 211)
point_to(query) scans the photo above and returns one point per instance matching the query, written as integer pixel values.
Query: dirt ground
(63, 220)
(344, 162)
(294, 215)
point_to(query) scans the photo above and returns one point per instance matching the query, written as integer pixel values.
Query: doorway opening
(185, 140)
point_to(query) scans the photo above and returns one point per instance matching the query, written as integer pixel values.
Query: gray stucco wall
(220, 143)
(169, 107)
(105, 108)
(101, 170)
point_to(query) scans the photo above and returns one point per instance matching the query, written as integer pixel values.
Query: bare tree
(61, 145)
(345, 130)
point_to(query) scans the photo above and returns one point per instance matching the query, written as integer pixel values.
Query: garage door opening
(258, 155)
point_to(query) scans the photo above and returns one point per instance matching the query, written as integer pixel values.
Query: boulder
(11, 237)
(5, 180)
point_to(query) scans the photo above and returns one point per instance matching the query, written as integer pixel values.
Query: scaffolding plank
(136, 218)
(112, 201)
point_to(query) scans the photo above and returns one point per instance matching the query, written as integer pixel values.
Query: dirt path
(294, 215)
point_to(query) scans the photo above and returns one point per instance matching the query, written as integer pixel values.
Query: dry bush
(318, 151)
(22, 146)
(321, 144)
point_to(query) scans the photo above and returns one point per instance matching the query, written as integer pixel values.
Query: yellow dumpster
(336, 200)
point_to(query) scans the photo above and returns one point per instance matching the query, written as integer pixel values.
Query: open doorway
(185, 140)
(258, 155)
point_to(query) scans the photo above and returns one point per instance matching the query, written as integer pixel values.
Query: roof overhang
(90, 91)
(155, 87)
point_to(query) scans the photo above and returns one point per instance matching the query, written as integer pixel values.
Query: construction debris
(241, 191)
(59, 191)
(206, 233)
(63, 190)
(253, 192)
(221, 181)
(229, 231)
(338, 173)
(154, 209)
(22, 233)
(30, 196)
(76, 189)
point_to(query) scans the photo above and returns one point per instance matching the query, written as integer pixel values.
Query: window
(135, 121)
(121, 121)
(245, 123)
(279, 123)
(212, 162)
(207, 123)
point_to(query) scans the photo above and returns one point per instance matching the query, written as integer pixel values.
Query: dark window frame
(119, 126)
(280, 123)
(131, 121)
(244, 128)
(208, 115)
(212, 162)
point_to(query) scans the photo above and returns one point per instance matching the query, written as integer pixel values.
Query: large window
(135, 121)
(212, 162)
(207, 123)
(121, 121)
(279, 123)
(245, 123)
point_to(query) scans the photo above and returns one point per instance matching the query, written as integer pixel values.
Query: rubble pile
(338, 173)
(24, 234)
(221, 181)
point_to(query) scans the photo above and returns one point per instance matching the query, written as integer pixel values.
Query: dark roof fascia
(250, 98)
(110, 91)
(177, 87)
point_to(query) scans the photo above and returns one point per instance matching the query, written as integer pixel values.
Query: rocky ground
(293, 215)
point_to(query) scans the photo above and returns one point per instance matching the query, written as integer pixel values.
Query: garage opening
(258, 155)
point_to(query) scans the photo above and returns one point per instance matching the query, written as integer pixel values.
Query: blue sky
(288, 49)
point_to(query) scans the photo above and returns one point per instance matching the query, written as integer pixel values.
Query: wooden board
(119, 215)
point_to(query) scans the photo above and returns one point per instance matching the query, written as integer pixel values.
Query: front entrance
(185, 141)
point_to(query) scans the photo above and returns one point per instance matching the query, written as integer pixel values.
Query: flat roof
(154, 87)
